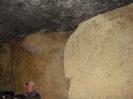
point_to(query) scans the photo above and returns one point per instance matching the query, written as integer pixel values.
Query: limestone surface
(98, 57)
(5, 69)
(39, 58)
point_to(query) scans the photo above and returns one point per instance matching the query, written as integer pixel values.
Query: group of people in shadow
(31, 93)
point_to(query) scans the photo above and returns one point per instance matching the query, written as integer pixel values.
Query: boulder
(98, 57)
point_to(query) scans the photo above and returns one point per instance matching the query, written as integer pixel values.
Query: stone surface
(5, 70)
(98, 57)
(39, 58)
(18, 18)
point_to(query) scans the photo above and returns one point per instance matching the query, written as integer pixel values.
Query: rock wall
(98, 57)
(5, 70)
(39, 58)
(28, 16)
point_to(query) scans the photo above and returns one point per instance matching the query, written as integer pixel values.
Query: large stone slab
(98, 57)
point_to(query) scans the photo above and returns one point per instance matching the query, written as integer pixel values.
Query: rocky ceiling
(19, 18)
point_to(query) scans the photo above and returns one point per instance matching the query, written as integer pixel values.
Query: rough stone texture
(18, 18)
(39, 58)
(98, 57)
(5, 70)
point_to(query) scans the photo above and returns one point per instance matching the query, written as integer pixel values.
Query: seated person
(8, 94)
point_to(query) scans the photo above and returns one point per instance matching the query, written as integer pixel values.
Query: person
(8, 94)
(31, 91)
(1, 97)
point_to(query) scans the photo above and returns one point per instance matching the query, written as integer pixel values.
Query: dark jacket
(33, 95)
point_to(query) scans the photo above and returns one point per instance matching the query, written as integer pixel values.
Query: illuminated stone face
(98, 57)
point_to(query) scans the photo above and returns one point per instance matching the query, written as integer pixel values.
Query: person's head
(30, 87)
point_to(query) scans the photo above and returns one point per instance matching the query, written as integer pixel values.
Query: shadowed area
(19, 18)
